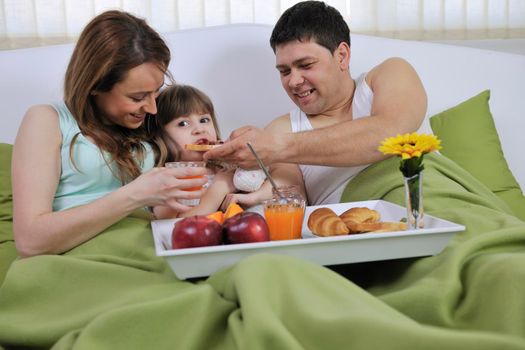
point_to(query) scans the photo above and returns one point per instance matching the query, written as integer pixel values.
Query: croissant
(355, 219)
(360, 215)
(390, 226)
(362, 219)
(325, 222)
(386, 226)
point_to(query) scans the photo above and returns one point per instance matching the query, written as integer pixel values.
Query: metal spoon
(261, 165)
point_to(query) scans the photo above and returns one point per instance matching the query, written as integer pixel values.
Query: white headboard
(234, 65)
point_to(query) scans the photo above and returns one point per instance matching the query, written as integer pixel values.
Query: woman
(84, 164)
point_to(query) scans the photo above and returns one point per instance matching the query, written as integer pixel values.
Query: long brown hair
(110, 45)
(173, 102)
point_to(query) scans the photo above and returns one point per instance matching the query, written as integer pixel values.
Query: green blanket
(113, 292)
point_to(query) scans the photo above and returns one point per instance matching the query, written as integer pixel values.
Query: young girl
(83, 164)
(185, 115)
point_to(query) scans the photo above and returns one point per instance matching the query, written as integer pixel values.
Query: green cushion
(6, 197)
(469, 137)
(7, 247)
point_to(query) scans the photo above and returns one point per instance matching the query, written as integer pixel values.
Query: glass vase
(414, 201)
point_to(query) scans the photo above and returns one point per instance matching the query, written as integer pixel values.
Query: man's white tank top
(324, 184)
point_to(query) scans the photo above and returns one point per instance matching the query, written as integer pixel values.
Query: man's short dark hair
(311, 20)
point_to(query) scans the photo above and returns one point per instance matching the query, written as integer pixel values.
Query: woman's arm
(35, 178)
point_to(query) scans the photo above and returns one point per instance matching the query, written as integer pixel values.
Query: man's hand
(234, 150)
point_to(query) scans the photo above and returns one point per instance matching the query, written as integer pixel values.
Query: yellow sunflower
(411, 148)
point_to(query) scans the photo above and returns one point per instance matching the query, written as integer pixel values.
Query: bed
(113, 291)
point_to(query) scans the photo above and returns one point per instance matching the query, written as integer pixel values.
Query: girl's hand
(246, 200)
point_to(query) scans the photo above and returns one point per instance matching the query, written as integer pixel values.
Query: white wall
(504, 45)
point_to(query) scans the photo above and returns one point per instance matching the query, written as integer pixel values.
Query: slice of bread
(202, 148)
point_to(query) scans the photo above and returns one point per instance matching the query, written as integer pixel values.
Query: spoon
(261, 165)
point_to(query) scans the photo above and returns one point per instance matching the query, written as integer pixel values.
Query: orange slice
(232, 209)
(217, 216)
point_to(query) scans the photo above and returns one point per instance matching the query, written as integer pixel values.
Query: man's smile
(304, 93)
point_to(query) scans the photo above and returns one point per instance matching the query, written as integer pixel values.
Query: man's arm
(284, 174)
(399, 106)
(235, 150)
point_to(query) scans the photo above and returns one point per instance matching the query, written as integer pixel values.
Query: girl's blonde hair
(110, 45)
(173, 102)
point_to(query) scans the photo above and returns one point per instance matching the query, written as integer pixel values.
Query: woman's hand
(164, 186)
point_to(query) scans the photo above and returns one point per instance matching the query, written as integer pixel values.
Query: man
(339, 122)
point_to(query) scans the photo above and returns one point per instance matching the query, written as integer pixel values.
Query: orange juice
(189, 164)
(196, 188)
(285, 221)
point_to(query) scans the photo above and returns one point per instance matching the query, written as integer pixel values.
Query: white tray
(203, 261)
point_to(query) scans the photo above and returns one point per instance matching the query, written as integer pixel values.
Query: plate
(204, 261)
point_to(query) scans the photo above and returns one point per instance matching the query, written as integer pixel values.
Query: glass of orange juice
(182, 164)
(284, 215)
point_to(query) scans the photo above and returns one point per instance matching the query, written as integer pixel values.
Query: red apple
(196, 231)
(246, 227)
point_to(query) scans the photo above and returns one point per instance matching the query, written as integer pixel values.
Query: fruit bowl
(334, 250)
